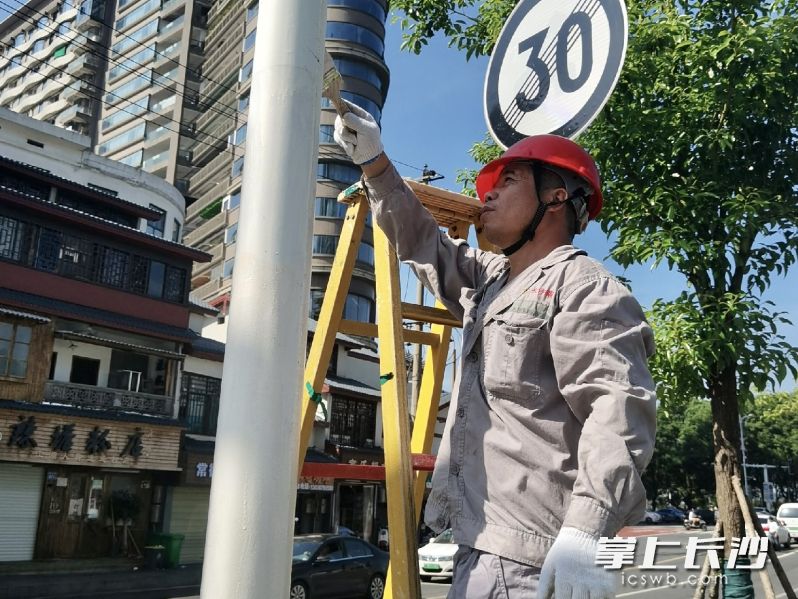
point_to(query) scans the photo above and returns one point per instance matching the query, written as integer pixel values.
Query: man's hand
(358, 134)
(570, 572)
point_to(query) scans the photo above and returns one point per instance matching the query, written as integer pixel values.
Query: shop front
(89, 477)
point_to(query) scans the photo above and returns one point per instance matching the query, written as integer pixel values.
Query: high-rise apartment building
(126, 73)
(355, 33)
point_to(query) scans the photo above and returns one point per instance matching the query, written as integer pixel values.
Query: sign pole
(253, 490)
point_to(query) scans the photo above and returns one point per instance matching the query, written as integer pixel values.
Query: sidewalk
(108, 578)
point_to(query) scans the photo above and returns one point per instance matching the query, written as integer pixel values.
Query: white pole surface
(253, 491)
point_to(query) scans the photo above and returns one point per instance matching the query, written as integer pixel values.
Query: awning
(26, 315)
(153, 351)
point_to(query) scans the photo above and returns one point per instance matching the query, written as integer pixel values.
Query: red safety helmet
(553, 150)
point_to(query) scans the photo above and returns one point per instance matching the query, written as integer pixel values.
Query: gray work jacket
(553, 416)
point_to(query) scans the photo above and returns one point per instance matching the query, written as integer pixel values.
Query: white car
(436, 558)
(775, 529)
(788, 513)
(650, 518)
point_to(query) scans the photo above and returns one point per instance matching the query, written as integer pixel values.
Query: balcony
(85, 64)
(104, 398)
(85, 20)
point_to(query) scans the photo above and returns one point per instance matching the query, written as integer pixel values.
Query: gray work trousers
(481, 575)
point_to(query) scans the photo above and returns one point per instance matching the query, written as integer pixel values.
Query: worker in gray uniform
(553, 417)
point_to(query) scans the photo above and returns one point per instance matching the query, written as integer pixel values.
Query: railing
(87, 396)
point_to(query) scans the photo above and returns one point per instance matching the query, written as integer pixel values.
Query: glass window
(368, 105)
(176, 231)
(235, 200)
(245, 73)
(324, 245)
(249, 41)
(39, 45)
(19, 39)
(358, 70)
(350, 32)
(138, 59)
(59, 52)
(199, 402)
(127, 89)
(370, 7)
(156, 227)
(137, 14)
(43, 21)
(356, 548)
(126, 138)
(133, 159)
(230, 234)
(365, 254)
(113, 267)
(133, 39)
(240, 135)
(237, 167)
(358, 307)
(227, 271)
(326, 134)
(343, 173)
(329, 207)
(127, 113)
(14, 349)
(252, 11)
(243, 102)
(156, 277)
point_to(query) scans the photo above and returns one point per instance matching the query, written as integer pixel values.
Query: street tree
(698, 150)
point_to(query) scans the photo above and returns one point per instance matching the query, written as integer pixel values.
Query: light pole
(742, 449)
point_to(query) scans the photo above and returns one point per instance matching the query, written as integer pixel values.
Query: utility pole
(766, 485)
(253, 490)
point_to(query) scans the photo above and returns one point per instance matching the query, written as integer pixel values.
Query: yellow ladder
(405, 489)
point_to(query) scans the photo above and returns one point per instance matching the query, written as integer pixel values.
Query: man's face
(510, 205)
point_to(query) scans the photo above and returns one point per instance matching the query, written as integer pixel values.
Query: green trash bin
(172, 542)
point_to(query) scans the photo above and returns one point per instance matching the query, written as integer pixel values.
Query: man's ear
(557, 199)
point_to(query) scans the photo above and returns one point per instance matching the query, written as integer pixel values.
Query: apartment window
(113, 267)
(366, 104)
(326, 134)
(124, 139)
(237, 167)
(358, 307)
(245, 73)
(329, 207)
(353, 422)
(39, 45)
(243, 102)
(359, 70)
(43, 21)
(134, 38)
(230, 234)
(124, 91)
(365, 254)
(354, 33)
(227, 271)
(156, 277)
(324, 245)
(12, 236)
(14, 349)
(240, 135)
(370, 7)
(235, 200)
(137, 14)
(252, 11)
(156, 227)
(64, 28)
(133, 159)
(343, 173)
(19, 39)
(249, 41)
(139, 59)
(176, 231)
(199, 403)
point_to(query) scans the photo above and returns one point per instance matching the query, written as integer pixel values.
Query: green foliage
(698, 151)
(771, 432)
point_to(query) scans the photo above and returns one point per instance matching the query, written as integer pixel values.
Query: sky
(434, 113)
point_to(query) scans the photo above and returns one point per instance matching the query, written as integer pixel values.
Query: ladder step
(429, 314)
(421, 462)
(368, 329)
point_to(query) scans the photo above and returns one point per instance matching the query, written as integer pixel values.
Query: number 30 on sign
(554, 66)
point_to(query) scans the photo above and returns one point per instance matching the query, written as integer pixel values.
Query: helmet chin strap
(529, 232)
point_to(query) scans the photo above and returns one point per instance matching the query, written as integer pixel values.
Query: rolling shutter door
(20, 498)
(189, 517)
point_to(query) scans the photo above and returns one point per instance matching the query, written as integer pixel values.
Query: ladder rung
(367, 329)
(421, 463)
(429, 314)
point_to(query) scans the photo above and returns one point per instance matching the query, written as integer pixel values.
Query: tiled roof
(339, 383)
(205, 345)
(7, 404)
(85, 188)
(26, 315)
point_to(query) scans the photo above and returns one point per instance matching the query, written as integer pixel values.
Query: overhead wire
(123, 62)
(102, 101)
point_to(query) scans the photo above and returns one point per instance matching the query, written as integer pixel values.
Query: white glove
(570, 572)
(358, 134)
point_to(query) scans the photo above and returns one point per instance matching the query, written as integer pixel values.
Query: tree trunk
(726, 439)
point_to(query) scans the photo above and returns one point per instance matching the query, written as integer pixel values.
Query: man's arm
(445, 266)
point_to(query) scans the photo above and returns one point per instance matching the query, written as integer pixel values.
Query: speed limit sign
(554, 66)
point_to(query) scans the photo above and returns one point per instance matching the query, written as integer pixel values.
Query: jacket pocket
(514, 346)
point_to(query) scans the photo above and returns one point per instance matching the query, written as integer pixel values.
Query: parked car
(670, 515)
(775, 529)
(650, 518)
(788, 513)
(706, 515)
(436, 558)
(336, 566)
